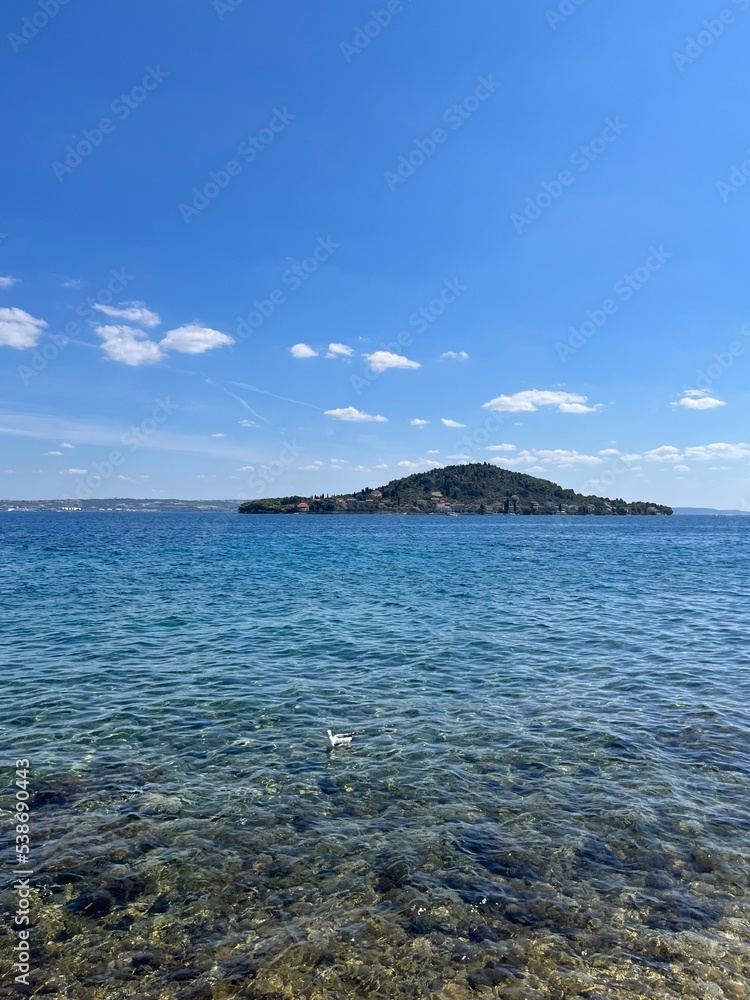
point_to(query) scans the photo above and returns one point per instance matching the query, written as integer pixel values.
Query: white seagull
(340, 739)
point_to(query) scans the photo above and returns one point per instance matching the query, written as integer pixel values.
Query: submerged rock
(91, 904)
(160, 805)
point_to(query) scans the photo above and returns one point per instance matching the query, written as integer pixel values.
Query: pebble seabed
(310, 881)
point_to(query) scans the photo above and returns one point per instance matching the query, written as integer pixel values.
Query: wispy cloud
(417, 422)
(450, 423)
(455, 356)
(131, 312)
(6, 281)
(340, 351)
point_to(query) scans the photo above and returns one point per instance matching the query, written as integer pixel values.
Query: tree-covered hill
(478, 488)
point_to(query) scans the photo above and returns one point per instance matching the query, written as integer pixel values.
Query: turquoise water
(548, 797)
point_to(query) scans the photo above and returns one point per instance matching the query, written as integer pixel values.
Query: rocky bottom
(316, 892)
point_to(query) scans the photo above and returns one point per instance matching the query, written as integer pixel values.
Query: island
(476, 488)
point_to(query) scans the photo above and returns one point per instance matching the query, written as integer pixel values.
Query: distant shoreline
(117, 505)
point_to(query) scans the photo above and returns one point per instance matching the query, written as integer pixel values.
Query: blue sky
(251, 248)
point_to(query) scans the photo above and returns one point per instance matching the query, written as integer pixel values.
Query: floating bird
(340, 739)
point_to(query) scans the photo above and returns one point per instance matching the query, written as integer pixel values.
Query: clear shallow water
(548, 799)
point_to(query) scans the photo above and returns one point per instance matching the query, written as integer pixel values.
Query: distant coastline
(149, 506)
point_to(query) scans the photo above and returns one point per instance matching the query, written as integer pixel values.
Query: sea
(546, 795)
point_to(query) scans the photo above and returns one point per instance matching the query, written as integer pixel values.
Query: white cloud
(380, 361)
(248, 423)
(681, 468)
(455, 355)
(530, 400)
(702, 452)
(53, 453)
(131, 312)
(450, 423)
(73, 472)
(360, 468)
(562, 458)
(194, 339)
(718, 451)
(632, 457)
(218, 435)
(380, 465)
(350, 413)
(610, 451)
(128, 345)
(19, 329)
(696, 399)
(65, 444)
(433, 451)
(302, 351)
(548, 458)
(339, 351)
(7, 282)
(309, 468)
(247, 468)
(421, 464)
(501, 447)
(72, 283)
(666, 453)
(416, 422)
